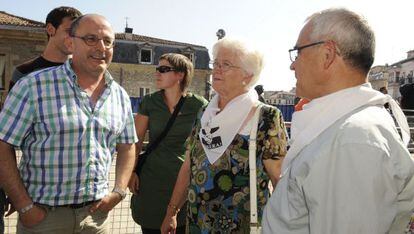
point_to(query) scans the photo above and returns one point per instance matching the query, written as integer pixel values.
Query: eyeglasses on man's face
(93, 40)
(294, 53)
(164, 69)
(224, 66)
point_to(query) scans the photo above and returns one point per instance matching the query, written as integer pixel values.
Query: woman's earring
(244, 82)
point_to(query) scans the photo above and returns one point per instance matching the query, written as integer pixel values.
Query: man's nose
(101, 45)
(292, 66)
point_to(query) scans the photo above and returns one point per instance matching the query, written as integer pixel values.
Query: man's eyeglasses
(164, 69)
(294, 53)
(225, 66)
(92, 40)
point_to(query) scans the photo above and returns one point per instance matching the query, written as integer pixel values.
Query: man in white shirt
(347, 170)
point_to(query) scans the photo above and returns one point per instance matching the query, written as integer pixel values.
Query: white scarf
(218, 130)
(321, 113)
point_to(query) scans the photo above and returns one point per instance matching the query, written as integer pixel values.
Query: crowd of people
(226, 165)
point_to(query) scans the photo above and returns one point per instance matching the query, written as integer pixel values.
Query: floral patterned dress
(219, 198)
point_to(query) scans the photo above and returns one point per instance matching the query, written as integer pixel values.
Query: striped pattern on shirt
(67, 143)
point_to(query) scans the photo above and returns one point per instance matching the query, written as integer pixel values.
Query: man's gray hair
(354, 38)
(251, 59)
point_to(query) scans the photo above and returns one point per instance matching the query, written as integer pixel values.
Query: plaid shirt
(67, 144)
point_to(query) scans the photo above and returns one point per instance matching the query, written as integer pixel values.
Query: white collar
(218, 130)
(321, 113)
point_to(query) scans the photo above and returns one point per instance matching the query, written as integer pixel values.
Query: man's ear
(68, 41)
(330, 53)
(50, 29)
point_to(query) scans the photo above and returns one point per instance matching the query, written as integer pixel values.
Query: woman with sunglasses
(216, 168)
(153, 188)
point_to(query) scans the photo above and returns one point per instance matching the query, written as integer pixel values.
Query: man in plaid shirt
(68, 121)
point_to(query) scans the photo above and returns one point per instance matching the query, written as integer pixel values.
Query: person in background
(407, 99)
(259, 89)
(215, 174)
(68, 121)
(385, 91)
(58, 22)
(153, 188)
(347, 169)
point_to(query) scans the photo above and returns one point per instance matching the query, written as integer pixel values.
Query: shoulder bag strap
(254, 226)
(154, 144)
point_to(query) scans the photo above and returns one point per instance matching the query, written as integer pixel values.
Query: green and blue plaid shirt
(67, 143)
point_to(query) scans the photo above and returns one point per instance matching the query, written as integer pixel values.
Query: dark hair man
(58, 22)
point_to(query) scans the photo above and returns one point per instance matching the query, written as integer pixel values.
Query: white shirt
(355, 177)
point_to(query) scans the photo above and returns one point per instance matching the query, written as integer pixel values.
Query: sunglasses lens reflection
(164, 69)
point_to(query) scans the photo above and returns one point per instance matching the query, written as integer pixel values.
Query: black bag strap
(170, 122)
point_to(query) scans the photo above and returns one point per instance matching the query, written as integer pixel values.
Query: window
(2, 71)
(189, 53)
(190, 56)
(145, 56)
(144, 91)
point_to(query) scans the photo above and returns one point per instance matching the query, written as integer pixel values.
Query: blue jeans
(2, 203)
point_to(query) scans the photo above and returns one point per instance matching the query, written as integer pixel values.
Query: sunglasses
(164, 69)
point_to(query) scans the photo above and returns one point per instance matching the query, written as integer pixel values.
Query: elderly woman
(216, 168)
(153, 188)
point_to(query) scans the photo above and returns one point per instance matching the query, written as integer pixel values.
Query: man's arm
(125, 161)
(12, 184)
(10, 179)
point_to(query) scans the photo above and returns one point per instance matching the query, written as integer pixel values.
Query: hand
(107, 203)
(133, 183)
(33, 216)
(169, 225)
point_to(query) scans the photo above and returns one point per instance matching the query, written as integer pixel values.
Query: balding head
(87, 17)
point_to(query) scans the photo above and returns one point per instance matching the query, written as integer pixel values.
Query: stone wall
(19, 46)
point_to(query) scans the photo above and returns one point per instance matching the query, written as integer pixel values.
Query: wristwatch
(120, 191)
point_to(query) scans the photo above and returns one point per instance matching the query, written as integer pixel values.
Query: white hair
(251, 59)
(354, 38)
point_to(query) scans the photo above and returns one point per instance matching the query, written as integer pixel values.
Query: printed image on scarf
(210, 141)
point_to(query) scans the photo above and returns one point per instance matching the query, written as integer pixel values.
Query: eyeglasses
(92, 40)
(164, 69)
(225, 66)
(294, 53)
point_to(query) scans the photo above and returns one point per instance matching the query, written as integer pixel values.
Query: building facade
(20, 39)
(136, 56)
(393, 76)
(133, 65)
(400, 73)
(279, 98)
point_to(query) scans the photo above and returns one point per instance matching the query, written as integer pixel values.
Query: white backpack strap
(252, 171)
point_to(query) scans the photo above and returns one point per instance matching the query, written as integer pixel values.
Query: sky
(271, 26)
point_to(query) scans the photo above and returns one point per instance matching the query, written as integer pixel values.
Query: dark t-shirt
(30, 66)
